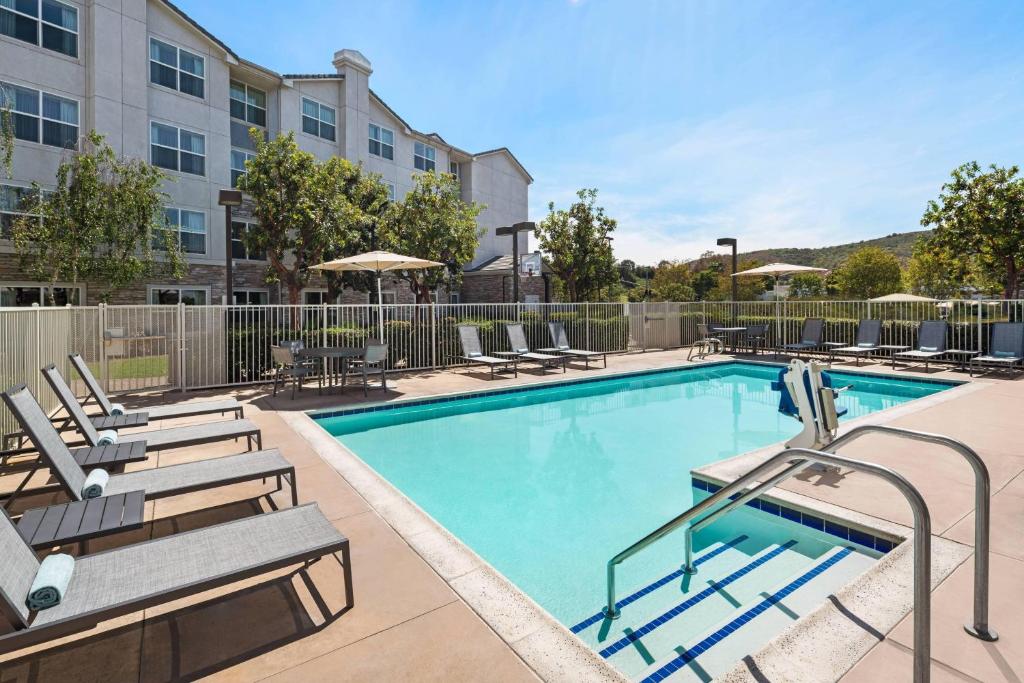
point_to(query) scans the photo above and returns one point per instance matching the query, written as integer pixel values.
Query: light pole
(514, 230)
(228, 199)
(607, 239)
(731, 242)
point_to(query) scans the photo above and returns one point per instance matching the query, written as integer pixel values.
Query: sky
(786, 123)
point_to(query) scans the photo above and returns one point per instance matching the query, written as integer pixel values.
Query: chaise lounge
(469, 338)
(810, 336)
(1006, 348)
(517, 342)
(869, 335)
(931, 343)
(561, 346)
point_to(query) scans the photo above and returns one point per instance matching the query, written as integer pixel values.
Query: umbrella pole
(380, 308)
(778, 316)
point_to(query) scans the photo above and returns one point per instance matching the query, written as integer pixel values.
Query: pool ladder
(796, 460)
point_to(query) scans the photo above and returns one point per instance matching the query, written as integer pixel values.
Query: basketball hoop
(530, 264)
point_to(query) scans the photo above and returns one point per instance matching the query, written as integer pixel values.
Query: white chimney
(351, 59)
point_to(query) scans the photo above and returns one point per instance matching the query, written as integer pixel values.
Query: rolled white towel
(51, 581)
(107, 437)
(95, 483)
(116, 409)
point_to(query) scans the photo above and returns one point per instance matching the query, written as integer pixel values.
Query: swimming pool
(546, 483)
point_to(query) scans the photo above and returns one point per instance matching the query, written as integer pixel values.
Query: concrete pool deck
(409, 623)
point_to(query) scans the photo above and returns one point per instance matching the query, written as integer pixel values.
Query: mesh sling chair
(157, 482)
(810, 336)
(1005, 350)
(517, 342)
(130, 578)
(869, 335)
(561, 346)
(174, 437)
(469, 339)
(931, 343)
(375, 355)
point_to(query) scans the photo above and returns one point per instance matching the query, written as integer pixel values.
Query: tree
(981, 215)
(300, 212)
(101, 222)
(577, 241)
(748, 287)
(936, 272)
(432, 222)
(807, 285)
(869, 272)
(673, 281)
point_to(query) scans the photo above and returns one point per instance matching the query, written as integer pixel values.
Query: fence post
(643, 326)
(586, 322)
(181, 347)
(101, 326)
(980, 332)
(433, 336)
(37, 364)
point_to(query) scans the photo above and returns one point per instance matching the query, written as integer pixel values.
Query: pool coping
(554, 653)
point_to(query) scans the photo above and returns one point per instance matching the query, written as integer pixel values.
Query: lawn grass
(141, 367)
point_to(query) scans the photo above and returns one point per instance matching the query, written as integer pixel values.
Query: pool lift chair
(808, 395)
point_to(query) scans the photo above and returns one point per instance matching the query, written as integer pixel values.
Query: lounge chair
(869, 334)
(755, 338)
(375, 355)
(159, 439)
(158, 482)
(160, 412)
(123, 580)
(706, 344)
(561, 345)
(810, 336)
(287, 363)
(469, 338)
(517, 342)
(931, 343)
(1006, 348)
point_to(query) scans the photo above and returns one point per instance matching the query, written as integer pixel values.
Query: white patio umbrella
(899, 296)
(777, 270)
(378, 262)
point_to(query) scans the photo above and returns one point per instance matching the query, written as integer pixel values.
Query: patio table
(81, 520)
(330, 354)
(732, 333)
(962, 355)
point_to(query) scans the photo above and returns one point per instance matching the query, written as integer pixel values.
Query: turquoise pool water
(546, 484)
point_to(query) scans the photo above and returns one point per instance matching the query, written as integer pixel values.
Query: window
(454, 298)
(177, 149)
(388, 297)
(317, 119)
(238, 159)
(455, 169)
(41, 117)
(239, 251)
(48, 23)
(315, 297)
(382, 142)
(423, 157)
(13, 201)
(29, 294)
(190, 227)
(175, 68)
(172, 295)
(250, 297)
(391, 190)
(248, 104)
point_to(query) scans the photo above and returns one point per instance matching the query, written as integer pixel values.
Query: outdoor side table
(81, 520)
(963, 355)
(111, 456)
(893, 349)
(140, 419)
(832, 346)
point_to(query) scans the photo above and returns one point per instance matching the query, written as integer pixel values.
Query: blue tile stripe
(806, 519)
(656, 623)
(739, 622)
(328, 413)
(599, 616)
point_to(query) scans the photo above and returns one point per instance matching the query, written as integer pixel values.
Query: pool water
(547, 483)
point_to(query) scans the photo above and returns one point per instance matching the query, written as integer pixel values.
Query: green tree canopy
(807, 285)
(673, 281)
(936, 271)
(577, 242)
(980, 214)
(433, 222)
(100, 223)
(867, 273)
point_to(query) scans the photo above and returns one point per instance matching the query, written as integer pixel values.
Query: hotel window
(177, 149)
(318, 119)
(250, 297)
(172, 296)
(423, 157)
(391, 191)
(41, 117)
(248, 104)
(238, 159)
(189, 227)
(175, 68)
(382, 142)
(388, 297)
(239, 251)
(29, 294)
(13, 202)
(48, 23)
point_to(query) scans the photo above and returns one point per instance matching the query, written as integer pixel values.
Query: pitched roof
(314, 77)
(217, 41)
(499, 265)
(506, 151)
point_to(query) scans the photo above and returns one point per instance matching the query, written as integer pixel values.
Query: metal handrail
(806, 456)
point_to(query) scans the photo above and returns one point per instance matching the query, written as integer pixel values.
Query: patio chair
(375, 355)
(931, 343)
(160, 412)
(706, 344)
(123, 580)
(755, 337)
(561, 345)
(810, 336)
(158, 482)
(159, 439)
(869, 334)
(288, 364)
(1006, 348)
(469, 338)
(518, 345)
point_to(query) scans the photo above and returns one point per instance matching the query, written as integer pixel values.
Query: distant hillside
(900, 244)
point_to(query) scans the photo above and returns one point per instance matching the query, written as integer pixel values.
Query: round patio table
(732, 333)
(330, 354)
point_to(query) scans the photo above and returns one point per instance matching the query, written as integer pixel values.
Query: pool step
(714, 651)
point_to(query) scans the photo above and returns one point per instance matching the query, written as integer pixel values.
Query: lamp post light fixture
(731, 242)
(514, 230)
(228, 199)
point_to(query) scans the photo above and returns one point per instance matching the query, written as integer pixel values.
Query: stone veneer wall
(497, 288)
